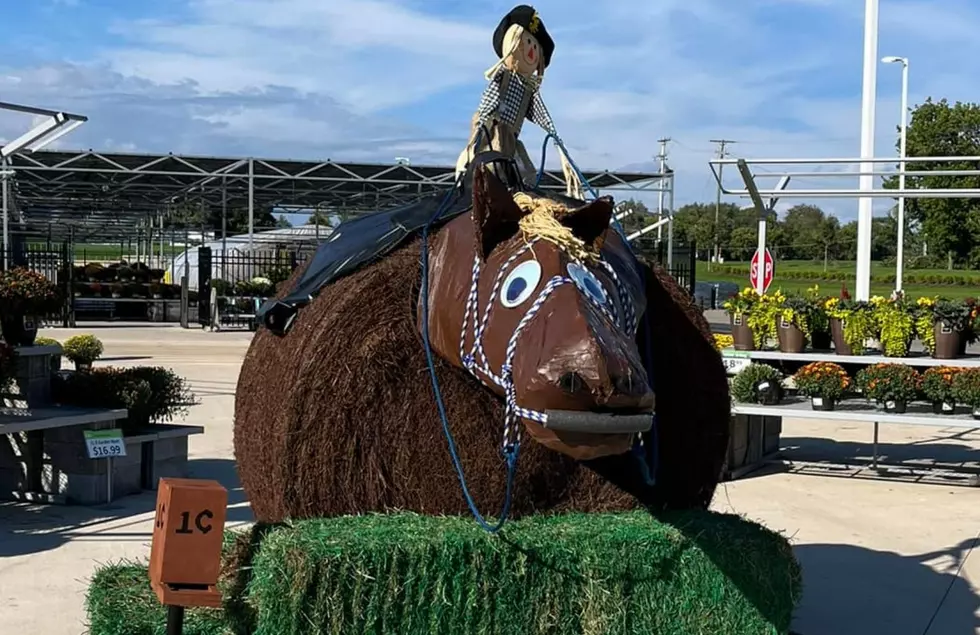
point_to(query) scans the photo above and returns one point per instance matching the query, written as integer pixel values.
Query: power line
(660, 198)
(721, 155)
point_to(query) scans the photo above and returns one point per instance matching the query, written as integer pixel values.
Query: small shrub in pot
(892, 385)
(758, 383)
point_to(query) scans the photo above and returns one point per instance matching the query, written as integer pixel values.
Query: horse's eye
(587, 282)
(520, 283)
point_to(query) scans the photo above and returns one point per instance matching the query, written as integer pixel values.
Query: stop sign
(767, 271)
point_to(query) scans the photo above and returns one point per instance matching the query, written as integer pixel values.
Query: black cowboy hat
(528, 18)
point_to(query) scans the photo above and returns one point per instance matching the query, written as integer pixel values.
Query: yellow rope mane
(542, 220)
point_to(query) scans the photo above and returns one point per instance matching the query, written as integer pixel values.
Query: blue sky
(370, 80)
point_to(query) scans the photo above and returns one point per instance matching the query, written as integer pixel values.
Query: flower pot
(18, 330)
(976, 412)
(943, 407)
(742, 334)
(947, 341)
(822, 340)
(822, 403)
(791, 338)
(896, 405)
(770, 392)
(837, 335)
(963, 345)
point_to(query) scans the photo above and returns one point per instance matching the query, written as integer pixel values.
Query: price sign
(735, 361)
(104, 444)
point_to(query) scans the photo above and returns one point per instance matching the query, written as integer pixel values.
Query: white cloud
(373, 79)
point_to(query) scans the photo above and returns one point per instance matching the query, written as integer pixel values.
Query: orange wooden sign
(185, 557)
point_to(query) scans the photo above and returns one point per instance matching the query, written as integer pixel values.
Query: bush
(758, 383)
(149, 394)
(82, 349)
(692, 572)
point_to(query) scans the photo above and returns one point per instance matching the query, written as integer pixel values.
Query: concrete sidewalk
(878, 553)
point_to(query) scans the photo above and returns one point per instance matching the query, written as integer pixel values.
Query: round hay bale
(338, 417)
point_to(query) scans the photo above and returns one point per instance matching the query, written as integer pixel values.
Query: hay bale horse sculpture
(538, 315)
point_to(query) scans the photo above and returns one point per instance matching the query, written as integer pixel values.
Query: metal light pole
(866, 181)
(903, 125)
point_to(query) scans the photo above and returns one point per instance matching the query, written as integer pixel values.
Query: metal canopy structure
(112, 193)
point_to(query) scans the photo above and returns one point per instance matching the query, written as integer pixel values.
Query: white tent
(228, 257)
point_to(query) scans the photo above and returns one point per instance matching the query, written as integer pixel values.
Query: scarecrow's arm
(538, 114)
(489, 102)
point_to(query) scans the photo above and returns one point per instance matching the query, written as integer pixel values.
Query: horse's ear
(590, 221)
(495, 214)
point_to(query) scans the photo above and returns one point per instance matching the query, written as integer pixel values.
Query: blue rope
(510, 453)
(649, 476)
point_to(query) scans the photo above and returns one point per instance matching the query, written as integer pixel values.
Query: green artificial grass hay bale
(687, 573)
(121, 602)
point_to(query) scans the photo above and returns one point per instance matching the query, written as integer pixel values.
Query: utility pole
(660, 197)
(721, 155)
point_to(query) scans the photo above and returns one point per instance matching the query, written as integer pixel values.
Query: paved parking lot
(879, 553)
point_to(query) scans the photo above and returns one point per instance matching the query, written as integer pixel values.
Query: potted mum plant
(949, 321)
(723, 341)
(891, 385)
(937, 387)
(739, 307)
(758, 383)
(793, 324)
(82, 350)
(824, 382)
(966, 389)
(25, 297)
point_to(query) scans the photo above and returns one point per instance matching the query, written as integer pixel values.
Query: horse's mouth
(599, 421)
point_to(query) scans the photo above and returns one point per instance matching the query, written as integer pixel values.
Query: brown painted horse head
(542, 307)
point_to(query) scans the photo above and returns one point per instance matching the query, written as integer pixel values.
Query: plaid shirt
(506, 108)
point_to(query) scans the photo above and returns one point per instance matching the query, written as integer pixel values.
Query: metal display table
(851, 409)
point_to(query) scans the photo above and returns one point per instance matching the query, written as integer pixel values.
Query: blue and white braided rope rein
(512, 435)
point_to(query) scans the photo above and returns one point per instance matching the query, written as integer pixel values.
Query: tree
(319, 217)
(743, 243)
(695, 222)
(282, 222)
(950, 227)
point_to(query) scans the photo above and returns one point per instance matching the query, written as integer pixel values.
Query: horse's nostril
(623, 384)
(571, 382)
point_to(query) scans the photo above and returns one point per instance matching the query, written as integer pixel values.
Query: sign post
(185, 555)
(761, 283)
(105, 444)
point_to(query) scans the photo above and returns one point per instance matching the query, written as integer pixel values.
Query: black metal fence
(241, 282)
(684, 265)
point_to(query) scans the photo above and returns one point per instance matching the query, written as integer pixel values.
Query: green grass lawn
(799, 275)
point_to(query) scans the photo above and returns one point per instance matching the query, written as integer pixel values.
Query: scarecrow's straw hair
(541, 220)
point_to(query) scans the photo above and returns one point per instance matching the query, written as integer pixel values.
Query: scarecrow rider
(524, 47)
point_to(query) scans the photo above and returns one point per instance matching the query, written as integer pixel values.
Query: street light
(900, 260)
